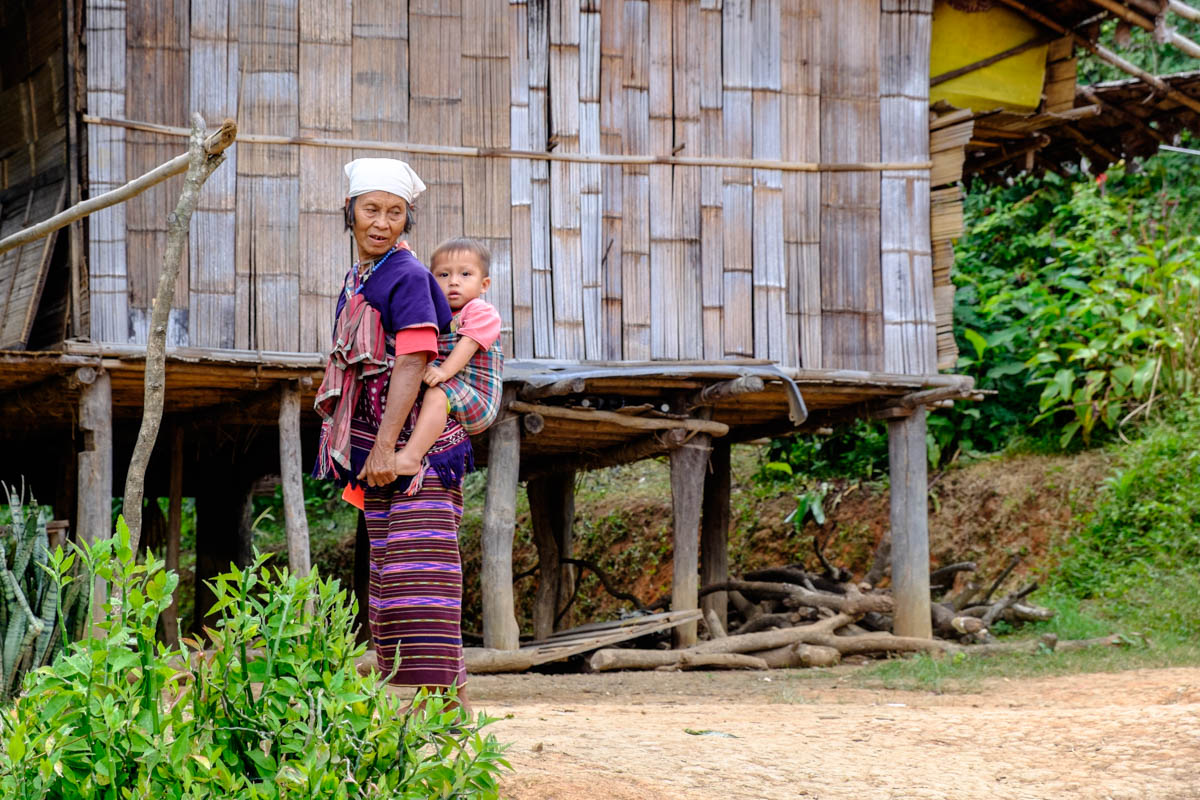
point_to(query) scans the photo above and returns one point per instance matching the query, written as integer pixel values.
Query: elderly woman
(388, 318)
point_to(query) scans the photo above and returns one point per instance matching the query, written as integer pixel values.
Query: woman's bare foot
(405, 463)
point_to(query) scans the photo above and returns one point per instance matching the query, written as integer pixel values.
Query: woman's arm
(403, 386)
(458, 358)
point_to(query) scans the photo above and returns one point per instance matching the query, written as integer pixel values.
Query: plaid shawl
(359, 360)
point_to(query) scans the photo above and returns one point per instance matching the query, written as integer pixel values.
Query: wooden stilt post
(714, 531)
(499, 522)
(95, 460)
(552, 512)
(94, 517)
(170, 617)
(910, 524)
(689, 464)
(291, 472)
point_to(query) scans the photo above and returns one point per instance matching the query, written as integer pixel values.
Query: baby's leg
(430, 424)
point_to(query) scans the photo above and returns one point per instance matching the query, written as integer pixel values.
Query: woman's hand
(435, 375)
(380, 468)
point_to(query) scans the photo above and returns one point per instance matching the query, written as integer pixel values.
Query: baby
(466, 381)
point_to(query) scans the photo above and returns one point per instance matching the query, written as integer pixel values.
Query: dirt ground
(793, 734)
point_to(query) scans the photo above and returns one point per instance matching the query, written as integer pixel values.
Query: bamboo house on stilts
(712, 221)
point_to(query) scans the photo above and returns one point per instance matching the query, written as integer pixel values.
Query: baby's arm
(458, 358)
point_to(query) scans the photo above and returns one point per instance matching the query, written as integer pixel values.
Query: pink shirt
(479, 320)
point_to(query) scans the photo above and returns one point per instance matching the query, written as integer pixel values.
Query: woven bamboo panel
(106, 89)
(592, 260)
(737, 197)
(851, 286)
(909, 337)
(213, 92)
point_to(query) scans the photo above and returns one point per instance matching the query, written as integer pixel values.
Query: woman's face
(379, 219)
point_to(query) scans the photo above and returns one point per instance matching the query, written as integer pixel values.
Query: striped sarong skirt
(415, 591)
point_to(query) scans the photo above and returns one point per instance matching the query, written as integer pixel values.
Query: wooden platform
(233, 387)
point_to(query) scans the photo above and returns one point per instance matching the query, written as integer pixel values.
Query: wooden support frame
(622, 420)
(1107, 55)
(908, 467)
(291, 473)
(95, 459)
(500, 631)
(689, 463)
(714, 531)
(1163, 32)
(1087, 93)
(552, 514)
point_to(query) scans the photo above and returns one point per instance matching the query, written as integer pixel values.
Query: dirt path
(623, 737)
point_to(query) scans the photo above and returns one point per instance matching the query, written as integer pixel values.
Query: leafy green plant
(275, 708)
(1075, 303)
(35, 613)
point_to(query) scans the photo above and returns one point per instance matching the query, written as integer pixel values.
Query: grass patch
(1131, 567)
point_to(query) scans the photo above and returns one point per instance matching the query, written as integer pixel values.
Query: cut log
(715, 629)
(714, 661)
(854, 602)
(882, 565)
(556, 389)
(484, 660)
(800, 655)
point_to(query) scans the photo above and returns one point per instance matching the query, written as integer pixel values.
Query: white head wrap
(386, 175)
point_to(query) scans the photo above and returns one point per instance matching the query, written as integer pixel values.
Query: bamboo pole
(1165, 32)
(212, 146)
(536, 155)
(1037, 41)
(1183, 10)
(622, 420)
(1107, 55)
(201, 164)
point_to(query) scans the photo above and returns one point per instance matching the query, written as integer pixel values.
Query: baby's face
(461, 277)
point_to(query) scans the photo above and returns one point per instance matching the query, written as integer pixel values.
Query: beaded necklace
(360, 279)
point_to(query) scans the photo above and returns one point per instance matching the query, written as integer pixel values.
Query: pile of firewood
(790, 617)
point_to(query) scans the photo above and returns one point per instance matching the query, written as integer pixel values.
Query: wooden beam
(908, 468)
(556, 389)
(714, 532)
(552, 515)
(533, 155)
(1164, 32)
(291, 472)
(1133, 119)
(1041, 140)
(1095, 147)
(1107, 55)
(709, 395)
(500, 631)
(214, 145)
(645, 447)
(94, 516)
(622, 420)
(1183, 10)
(1037, 41)
(689, 464)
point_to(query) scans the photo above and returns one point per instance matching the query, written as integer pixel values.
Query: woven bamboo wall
(33, 155)
(592, 261)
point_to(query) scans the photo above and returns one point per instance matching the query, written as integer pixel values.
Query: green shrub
(275, 708)
(1146, 527)
(35, 616)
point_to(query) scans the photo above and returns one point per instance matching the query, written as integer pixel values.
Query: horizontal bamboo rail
(535, 155)
(216, 142)
(1184, 10)
(1168, 34)
(1107, 55)
(622, 420)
